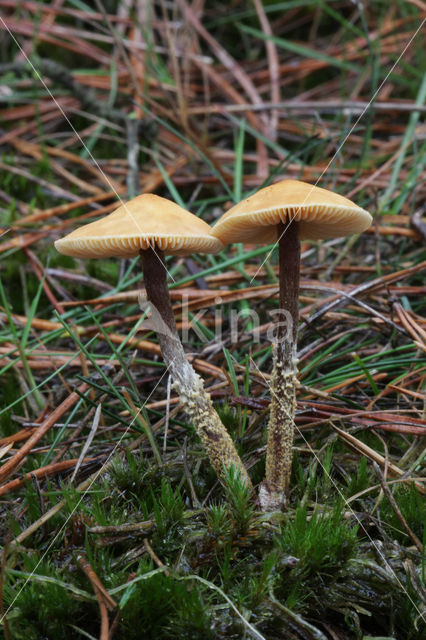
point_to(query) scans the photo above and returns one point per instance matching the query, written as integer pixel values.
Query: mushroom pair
(152, 226)
(284, 213)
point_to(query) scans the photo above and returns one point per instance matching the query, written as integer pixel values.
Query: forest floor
(113, 523)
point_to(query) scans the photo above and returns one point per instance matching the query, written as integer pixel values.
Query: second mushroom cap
(319, 212)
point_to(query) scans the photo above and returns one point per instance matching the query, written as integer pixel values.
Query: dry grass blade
(396, 509)
(88, 442)
(372, 455)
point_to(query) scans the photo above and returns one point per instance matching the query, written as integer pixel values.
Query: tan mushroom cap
(145, 221)
(320, 213)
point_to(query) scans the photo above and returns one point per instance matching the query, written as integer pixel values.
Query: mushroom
(153, 226)
(284, 213)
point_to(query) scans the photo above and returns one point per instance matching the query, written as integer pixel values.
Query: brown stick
(105, 601)
(11, 464)
(42, 472)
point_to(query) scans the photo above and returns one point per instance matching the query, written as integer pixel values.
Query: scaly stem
(274, 490)
(194, 398)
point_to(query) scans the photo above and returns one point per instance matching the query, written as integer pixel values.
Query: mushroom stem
(275, 489)
(194, 398)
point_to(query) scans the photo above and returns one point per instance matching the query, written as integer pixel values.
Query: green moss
(413, 508)
(360, 481)
(168, 509)
(219, 523)
(41, 608)
(323, 542)
(161, 607)
(239, 497)
(131, 475)
(316, 549)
